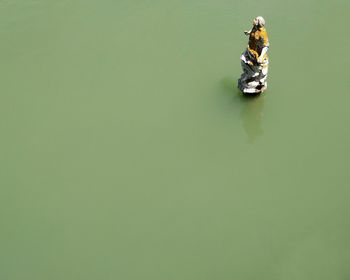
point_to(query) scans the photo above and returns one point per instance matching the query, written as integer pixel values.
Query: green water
(128, 153)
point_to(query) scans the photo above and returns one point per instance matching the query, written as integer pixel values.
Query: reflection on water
(249, 108)
(252, 114)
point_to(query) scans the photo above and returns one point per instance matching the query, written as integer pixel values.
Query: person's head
(259, 22)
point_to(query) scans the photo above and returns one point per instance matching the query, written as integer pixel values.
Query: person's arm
(247, 32)
(262, 55)
(265, 48)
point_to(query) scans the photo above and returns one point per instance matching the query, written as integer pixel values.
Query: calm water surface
(128, 153)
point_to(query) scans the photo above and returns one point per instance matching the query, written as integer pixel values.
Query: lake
(129, 153)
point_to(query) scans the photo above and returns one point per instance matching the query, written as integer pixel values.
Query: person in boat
(254, 59)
